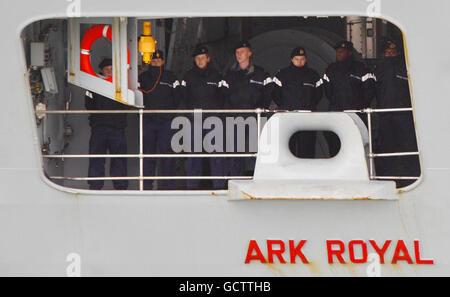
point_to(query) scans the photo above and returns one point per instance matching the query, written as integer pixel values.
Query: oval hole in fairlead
(314, 144)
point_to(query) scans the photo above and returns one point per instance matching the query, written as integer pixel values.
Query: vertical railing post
(141, 150)
(258, 112)
(371, 158)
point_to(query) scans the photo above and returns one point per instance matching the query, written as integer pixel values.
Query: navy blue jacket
(200, 89)
(164, 96)
(247, 89)
(297, 88)
(392, 83)
(95, 101)
(349, 85)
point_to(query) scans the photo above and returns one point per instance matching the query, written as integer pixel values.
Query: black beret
(242, 44)
(158, 55)
(345, 45)
(390, 44)
(298, 51)
(104, 63)
(200, 50)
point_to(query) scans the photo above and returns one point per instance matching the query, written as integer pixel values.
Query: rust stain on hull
(276, 270)
(314, 268)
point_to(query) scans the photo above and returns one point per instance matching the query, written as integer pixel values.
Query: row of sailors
(347, 84)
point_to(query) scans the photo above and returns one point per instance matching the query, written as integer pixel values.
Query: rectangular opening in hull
(198, 109)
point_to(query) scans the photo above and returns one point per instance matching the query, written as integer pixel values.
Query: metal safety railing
(258, 112)
(141, 156)
(372, 156)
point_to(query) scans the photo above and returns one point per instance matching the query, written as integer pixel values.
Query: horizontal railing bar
(387, 155)
(200, 178)
(90, 112)
(389, 110)
(180, 111)
(189, 111)
(395, 178)
(383, 110)
(136, 156)
(165, 192)
(287, 111)
(151, 178)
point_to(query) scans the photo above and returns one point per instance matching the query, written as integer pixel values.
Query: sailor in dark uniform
(201, 90)
(107, 135)
(298, 87)
(396, 130)
(158, 86)
(348, 85)
(246, 86)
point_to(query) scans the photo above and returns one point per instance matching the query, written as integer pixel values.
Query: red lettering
(297, 251)
(253, 247)
(337, 253)
(417, 253)
(381, 251)
(279, 253)
(351, 249)
(401, 248)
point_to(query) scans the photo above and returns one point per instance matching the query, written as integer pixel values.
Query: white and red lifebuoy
(92, 35)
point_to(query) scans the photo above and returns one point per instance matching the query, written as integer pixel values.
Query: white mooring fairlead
(279, 175)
